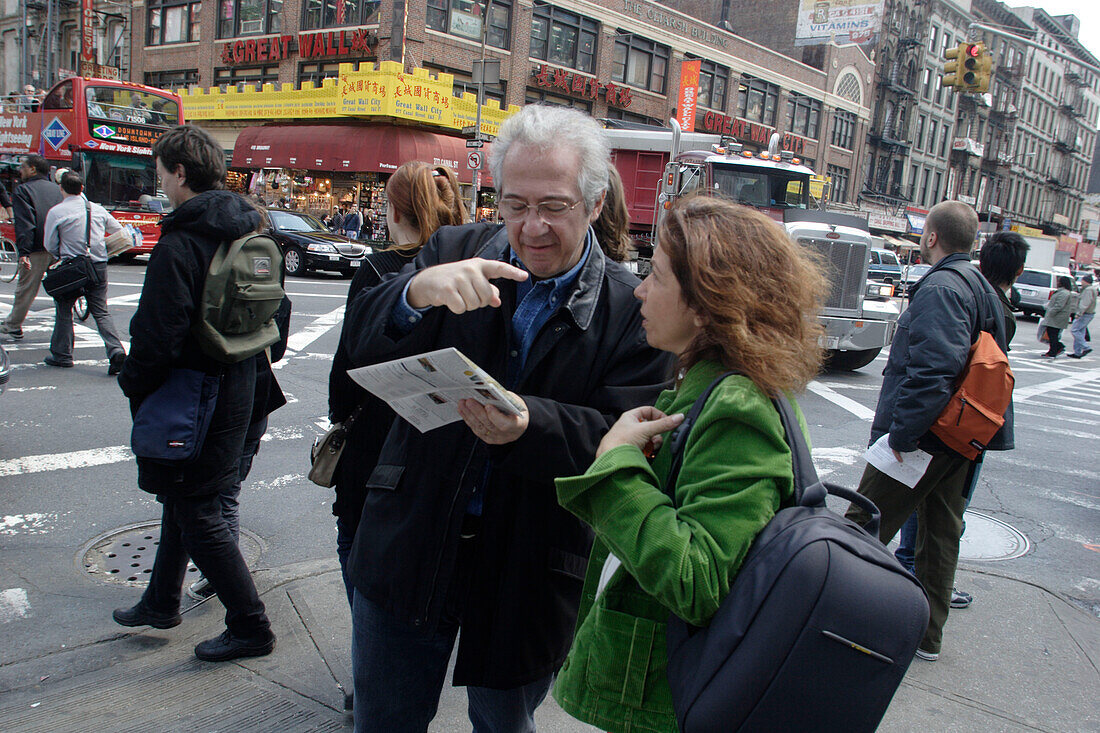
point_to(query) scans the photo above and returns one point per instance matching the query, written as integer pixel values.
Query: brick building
(617, 59)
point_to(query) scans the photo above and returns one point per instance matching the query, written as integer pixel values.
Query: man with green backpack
(211, 291)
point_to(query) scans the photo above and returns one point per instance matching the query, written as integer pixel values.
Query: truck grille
(846, 271)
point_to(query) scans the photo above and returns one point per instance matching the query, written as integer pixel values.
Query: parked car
(911, 276)
(308, 245)
(884, 266)
(1035, 288)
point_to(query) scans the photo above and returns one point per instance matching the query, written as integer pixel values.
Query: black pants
(196, 527)
(1054, 335)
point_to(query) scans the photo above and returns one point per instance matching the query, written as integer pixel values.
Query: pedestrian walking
(75, 227)
(1086, 311)
(191, 167)
(927, 357)
(1057, 315)
(702, 301)
(460, 528)
(351, 223)
(33, 199)
(6, 212)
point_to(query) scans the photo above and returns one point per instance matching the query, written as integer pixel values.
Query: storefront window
(336, 13)
(172, 21)
(640, 62)
(463, 18)
(563, 38)
(249, 17)
(253, 76)
(317, 73)
(172, 80)
(714, 79)
(803, 115)
(757, 100)
(536, 96)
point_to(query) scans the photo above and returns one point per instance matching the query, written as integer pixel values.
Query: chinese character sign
(689, 93)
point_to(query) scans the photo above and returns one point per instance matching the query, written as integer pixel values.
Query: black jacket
(33, 199)
(588, 364)
(928, 354)
(160, 339)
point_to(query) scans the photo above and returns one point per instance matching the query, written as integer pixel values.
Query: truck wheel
(846, 361)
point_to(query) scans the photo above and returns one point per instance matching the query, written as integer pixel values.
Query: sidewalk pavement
(1019, 659)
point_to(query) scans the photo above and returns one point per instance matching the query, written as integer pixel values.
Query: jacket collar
(580, 304)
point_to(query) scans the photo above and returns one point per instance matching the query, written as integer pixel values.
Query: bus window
(131, 105)
(60, 98)
(118, 180)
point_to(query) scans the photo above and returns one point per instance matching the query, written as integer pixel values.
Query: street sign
(475, 143)
(473, 160)
(469, 129)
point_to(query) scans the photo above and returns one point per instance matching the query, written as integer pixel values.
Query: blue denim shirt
(536, 302)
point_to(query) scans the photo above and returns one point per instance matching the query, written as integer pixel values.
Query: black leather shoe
(140, 616)
(50, 361)
(116, 363)
(225, 647)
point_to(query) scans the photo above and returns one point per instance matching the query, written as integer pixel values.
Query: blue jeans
(1080, 325)
(399, 673)
(344, 539)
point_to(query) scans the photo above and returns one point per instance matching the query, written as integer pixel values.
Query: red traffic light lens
(974, 50)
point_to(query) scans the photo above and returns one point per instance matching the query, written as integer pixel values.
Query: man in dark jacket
(930, 349)
(460, 526)
(34, 197)
(191, 167)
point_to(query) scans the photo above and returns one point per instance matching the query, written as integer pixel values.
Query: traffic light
(951, 67)
(978, 65)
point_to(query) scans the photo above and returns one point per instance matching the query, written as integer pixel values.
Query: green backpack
(239, 299)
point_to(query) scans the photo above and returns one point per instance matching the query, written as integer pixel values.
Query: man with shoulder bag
(76, 228)
(165, 349)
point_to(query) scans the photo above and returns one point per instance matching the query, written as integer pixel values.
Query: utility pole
(479, 78)
(1028, 42)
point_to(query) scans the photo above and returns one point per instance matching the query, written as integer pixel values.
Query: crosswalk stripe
(1027, 393)
(841, 401)
(315, 330)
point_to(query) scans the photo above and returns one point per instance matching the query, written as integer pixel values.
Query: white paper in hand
(909, 471)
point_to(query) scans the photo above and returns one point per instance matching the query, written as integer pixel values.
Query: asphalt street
(68, 480)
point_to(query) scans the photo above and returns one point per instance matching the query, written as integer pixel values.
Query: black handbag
(68, 278)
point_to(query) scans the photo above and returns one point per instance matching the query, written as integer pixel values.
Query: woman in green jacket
(728, 291)
(1057, 315)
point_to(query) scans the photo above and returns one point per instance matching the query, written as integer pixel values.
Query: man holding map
(461, 528)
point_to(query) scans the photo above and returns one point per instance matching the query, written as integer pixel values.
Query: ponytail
(428, 197)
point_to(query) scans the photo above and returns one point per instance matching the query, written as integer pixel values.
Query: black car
(308, 245)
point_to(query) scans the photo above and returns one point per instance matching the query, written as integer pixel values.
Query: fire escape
(888, 136)
(997, 160)
(1066, 142)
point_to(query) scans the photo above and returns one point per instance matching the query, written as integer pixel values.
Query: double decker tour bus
(103, 129)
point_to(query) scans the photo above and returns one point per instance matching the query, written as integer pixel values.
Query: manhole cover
(126, 555)
(987, 538)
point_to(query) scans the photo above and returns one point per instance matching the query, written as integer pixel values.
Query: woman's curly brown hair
(757, 292)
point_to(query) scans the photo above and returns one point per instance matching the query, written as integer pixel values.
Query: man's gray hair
(554, 128)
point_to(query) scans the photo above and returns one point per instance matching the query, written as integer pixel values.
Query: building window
(640, 62)
(918, 139)
(317, 73)
(840, 178)
(803, 115)
(714, 80)
(844, 128)
(463, 84)
(849, 88)
(757, 100)
(249, 17)
(463, 18)
(172, 21)
(924, 187)
(172, 80)
(933, 128)
(336, 13)
(943, 140)
(617, 113)
(251, 76)
(537, 96)
(564, 38)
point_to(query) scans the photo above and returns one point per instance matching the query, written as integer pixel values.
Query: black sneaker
(140, 616)
(116, 363)
(960, 599)
(1074, 356)
(225, 646)
(50, 361)
(15, 333)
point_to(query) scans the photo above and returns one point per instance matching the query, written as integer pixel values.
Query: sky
(1087, 10)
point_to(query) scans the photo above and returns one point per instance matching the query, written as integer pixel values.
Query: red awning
(350, 148)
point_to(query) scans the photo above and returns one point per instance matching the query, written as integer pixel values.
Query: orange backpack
(976, 410)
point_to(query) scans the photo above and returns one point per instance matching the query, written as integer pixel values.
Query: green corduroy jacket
(735, 474)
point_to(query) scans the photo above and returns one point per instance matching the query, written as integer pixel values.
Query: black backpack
(819, 626)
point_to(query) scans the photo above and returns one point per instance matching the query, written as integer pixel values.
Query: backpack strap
(986, 320)
(808, 489)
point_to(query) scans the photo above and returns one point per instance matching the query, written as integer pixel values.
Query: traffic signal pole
(1028, 42)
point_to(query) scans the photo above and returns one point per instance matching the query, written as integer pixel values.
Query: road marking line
(847, 403)
(13, 604)
(30, 389)
(1022, 395)
(306, 336)
(75, 459)
(1059, 418)
(1046, 469)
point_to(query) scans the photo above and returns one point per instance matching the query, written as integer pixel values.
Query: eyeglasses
(551, 212)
